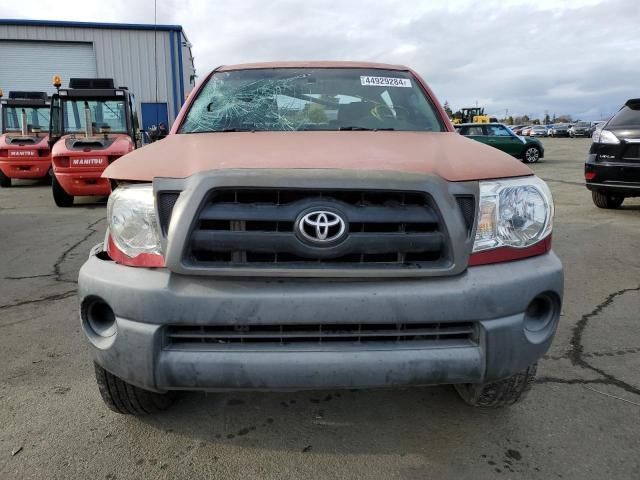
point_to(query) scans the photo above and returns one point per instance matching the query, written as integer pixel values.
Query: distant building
(32, 51)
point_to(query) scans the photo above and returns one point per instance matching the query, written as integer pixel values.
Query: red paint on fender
(79, 172)
(25, 161)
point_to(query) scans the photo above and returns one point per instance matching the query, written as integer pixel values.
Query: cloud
(521, 56)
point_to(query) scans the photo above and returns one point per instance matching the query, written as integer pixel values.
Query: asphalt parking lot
(582, 419)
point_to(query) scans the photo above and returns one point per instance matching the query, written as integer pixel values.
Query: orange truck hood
(448, 155)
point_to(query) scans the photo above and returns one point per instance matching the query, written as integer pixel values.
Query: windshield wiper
(364, 129)
(237, 129)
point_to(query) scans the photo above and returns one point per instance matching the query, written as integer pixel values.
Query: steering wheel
(382, 112)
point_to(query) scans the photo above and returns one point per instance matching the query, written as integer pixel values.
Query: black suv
(612, 170)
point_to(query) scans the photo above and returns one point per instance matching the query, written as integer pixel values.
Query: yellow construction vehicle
(472, 115)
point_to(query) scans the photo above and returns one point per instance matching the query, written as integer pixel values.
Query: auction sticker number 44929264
(385, 82)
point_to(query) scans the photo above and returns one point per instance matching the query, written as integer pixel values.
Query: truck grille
(188, 336)
(257, 227)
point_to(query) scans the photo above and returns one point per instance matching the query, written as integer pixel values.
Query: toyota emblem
(321, 226)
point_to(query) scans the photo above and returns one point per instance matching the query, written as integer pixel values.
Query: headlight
(604, 136)
(133, 226)
(514, 213)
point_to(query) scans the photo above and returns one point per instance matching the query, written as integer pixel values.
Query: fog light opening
(100, 318)
(540, 313)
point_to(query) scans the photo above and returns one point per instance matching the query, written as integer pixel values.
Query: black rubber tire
(529, 157)
(602, 200)
(62, 198)
(5, 182)
(127, 399)
(498, 394)
(48, 178)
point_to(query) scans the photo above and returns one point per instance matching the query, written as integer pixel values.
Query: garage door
(31, 65)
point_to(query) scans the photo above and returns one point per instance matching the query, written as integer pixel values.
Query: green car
(501, 137)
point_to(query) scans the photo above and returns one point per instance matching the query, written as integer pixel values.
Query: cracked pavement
(581, 420)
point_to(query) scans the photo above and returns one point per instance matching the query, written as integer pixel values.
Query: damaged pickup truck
(319, 226)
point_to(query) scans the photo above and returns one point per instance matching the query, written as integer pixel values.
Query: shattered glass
(288, 99)
(251, 106)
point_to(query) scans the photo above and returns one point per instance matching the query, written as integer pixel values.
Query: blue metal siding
(173, 77)
(114, 26)
(154, 113)
(179, 35)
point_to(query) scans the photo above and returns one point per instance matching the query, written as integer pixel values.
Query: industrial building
(153, 61)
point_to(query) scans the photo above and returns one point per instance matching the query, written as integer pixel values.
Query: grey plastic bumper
(495, 297)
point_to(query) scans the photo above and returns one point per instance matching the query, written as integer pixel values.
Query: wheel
(124, 398)
(602, 200)
(531, 154)
(62, 198)
(48, 177)
(5, 182)
(501, 393)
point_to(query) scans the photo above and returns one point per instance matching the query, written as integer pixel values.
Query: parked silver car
(538, 131)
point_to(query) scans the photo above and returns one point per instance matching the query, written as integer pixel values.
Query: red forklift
(24, 146)
(92, 124)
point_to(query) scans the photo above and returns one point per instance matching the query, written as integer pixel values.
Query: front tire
(531, 155)
(501, 393)
(602, 200)
(62, 198)
(48, 178)
(5, 182)
(127, 399)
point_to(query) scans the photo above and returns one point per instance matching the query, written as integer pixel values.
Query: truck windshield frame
(37, 116)
(105, 112)
(312, 99)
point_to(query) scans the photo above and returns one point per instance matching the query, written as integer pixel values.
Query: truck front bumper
(25, 167)
(514, 308)
(84, 183)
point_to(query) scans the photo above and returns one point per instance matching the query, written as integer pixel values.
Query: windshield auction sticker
(385, 82)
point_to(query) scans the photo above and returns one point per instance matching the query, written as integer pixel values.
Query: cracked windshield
(311, 99)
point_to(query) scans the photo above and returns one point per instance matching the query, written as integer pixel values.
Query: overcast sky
(578, 57)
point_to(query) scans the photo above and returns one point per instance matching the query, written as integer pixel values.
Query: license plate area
(88, 162)
(23, 153)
